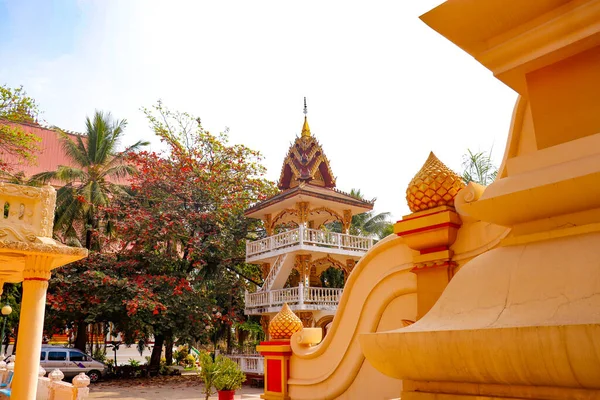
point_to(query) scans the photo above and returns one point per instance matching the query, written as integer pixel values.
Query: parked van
(71, 362)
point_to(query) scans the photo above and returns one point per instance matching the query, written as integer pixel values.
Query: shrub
(229, 376)
(190, 361)
(133, 363)
(99, 355)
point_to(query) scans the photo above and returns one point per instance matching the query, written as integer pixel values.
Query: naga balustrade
(308, 236)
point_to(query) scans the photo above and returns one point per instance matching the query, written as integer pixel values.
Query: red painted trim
(36, 279)
(433, 250)
(428, 228)
(275, 353)
(274, 378)
(275, 343)
(423, 215)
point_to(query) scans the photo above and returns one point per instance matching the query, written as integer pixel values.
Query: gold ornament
(284, 324)
(433, 186)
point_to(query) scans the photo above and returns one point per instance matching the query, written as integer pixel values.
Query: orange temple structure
(486, 292)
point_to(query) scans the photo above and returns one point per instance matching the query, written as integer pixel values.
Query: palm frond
(68, 174)
(74, 150)
(42, 177)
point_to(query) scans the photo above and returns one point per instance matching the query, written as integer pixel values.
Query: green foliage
(369, 224)
(16, 108)
(332, 277)
(479, 168)
(133, 363)
(189, 361)
(99, 354)
(180, 355)
(208, 373)
(229, 376)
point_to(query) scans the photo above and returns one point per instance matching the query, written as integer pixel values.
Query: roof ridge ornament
(305, 127)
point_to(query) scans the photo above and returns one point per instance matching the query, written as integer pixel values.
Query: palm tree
(89, 182)
(366, 224)
(479, 168)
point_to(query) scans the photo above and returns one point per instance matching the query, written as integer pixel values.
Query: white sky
(383, 89)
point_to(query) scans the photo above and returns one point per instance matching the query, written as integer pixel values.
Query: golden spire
(433, 186)
(305, 127)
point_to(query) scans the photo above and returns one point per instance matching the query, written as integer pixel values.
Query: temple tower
(298, 247)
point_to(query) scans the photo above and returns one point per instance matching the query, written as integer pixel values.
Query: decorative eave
(317, 192)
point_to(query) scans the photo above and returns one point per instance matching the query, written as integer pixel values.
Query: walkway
(160, 388)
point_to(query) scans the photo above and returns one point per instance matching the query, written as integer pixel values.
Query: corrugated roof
(50, 155)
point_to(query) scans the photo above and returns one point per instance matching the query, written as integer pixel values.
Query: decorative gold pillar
(303, 211)
(347, 221)
(268, 222)
(307, 318)
(303, 267)
(350, 263)
(264, 323)
(31, 326)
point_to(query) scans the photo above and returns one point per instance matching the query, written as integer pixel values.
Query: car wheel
(94, 376)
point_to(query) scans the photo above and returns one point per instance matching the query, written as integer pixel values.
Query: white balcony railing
(307, 236)
(249, 364)
(294, 296)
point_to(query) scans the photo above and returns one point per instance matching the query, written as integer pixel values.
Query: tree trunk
(88, 239)
(228, 349)
(159, 340)
(81, 339)
(14, 349)
(169, 349)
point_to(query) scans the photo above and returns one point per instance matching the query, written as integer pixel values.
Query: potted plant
(208, 373)
(228, 378)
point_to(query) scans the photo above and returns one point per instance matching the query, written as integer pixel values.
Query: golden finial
(305, 128)
(284, 324)
(433, 186)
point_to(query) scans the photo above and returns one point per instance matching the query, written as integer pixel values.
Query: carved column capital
(37, 268)
(303, 211)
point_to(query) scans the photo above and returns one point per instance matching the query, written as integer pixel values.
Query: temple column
(303, 212)
(264, 323)
(347, 221)
(31, 326)
(303, 266)
(268, 222)
(307, 318)
(350, 263)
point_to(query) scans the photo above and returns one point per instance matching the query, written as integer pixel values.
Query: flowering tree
(184, 227)
(17, 108)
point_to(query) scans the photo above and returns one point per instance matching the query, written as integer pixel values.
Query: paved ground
(160, 388)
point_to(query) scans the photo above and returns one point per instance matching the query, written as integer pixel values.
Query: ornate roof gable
(306, 162)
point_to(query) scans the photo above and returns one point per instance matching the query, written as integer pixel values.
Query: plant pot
(226, 394)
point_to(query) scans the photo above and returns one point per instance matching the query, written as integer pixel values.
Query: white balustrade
(325, 296)
(314, 237)
(253, 364)
(295, 296)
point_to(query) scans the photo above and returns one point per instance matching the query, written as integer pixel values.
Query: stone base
(413, 390)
